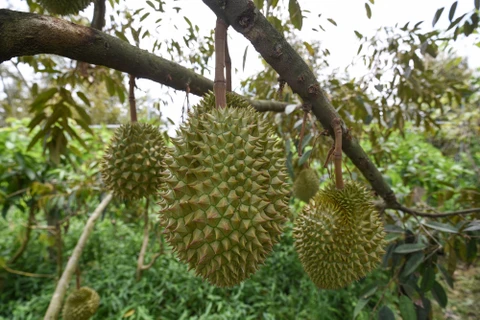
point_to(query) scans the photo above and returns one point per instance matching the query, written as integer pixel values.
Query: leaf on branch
(441, 227)
(369, 11)
(409, 248)
(451, 14)
(437, 16)
(295, 14)
(407, 309)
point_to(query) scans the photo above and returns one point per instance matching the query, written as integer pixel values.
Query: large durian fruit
(64, 7)
(226, 197)
(81, 304)
(133, 165)
(339, 236)
(306, 184)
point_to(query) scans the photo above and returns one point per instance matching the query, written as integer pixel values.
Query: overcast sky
(340, 40)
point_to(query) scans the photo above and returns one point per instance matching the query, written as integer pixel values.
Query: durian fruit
(81, 304)
(64, 7)
(306, 184)
(226, 197)
(339, 236)
(133, 165)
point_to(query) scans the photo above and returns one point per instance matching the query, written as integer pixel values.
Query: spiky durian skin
(226, 198)
(81, 304)
(306, 185)
(133, 165)
(339, 236)
(64, 7)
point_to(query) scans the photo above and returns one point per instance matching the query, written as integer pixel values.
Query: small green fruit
(306, 185)
(339, 236)
(81, 304)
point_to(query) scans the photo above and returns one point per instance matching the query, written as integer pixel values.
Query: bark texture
(24, 34)
(244, 17)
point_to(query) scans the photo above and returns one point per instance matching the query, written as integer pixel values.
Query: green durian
(81, 304)
(339, 236)
(64, 7)
(306, 184)
(133, 165)
(226, 198)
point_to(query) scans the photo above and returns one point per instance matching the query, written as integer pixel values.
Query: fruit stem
(337, 153)
(219, 85)
(228, 65)
(131, 99)
(302, 134)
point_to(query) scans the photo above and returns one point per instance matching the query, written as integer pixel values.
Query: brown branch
(25, 34)
(131, 98)
(99, 10)
(247, 20)
(337, 153)
(220, 85)
(28, 231)
(27, 274)
(154, 258)
(72, 264)
(433, 215)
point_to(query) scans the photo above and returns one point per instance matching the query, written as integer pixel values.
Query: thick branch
(247, 20)
(24, 34)
(59, 294)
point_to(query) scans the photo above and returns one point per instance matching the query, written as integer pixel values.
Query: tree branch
(247, 20)
(24, 34)
(59, 294)
(433, 215)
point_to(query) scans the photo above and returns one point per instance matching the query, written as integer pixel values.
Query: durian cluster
(224, 198)
(64, 7)
(81, 304)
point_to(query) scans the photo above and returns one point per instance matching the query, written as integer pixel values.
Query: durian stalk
(131, 99)
(337, 153)
(219, 85)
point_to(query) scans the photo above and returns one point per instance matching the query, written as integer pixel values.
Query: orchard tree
(416, 85)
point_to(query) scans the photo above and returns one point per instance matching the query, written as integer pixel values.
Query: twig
(59, 294)
(433, 215)
(154, 258)
(131, 99)
(302, 133)
(143, 249)
(27, 274)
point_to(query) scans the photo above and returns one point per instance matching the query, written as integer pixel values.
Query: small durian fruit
(64, 7)
(225, 199)
(339, 236)
(81, 304)
(306, 185)
(132, 166)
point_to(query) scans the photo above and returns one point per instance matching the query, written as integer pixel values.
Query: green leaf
(428, 278)
(84, 98)
(304, 157)
(437, 16)
(385, 313)
(310, 49)
(369, 11)
(446, 275)
(332, 21)
(42, 98)
(409, 248)
(441, 226)
(412, 264)
(451, 13)
(439, 294)
(407, 309)
(360, 305)
(358, 34)
(259, 4)
(244, 57)
(477, 4)
(295, 14)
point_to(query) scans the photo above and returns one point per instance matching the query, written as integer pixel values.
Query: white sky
(340, 40)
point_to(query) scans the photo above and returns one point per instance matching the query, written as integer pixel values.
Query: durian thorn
(337, 153)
